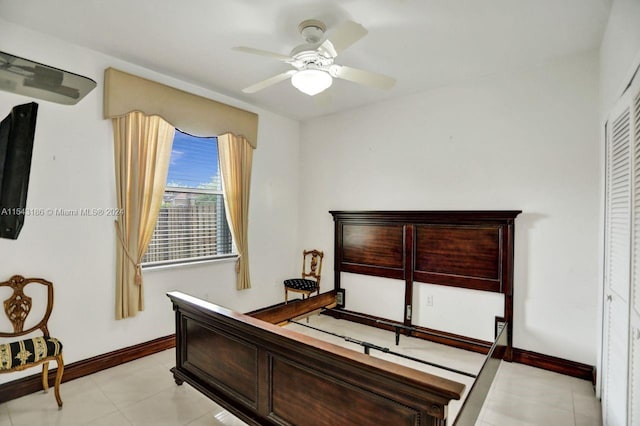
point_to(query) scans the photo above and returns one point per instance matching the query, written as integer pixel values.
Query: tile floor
(143, 392)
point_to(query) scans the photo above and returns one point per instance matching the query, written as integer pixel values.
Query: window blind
(191, 223)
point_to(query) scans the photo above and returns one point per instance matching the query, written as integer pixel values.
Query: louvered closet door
(634, 311)
(617, 267)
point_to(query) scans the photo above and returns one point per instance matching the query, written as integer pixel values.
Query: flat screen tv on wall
(16, 146)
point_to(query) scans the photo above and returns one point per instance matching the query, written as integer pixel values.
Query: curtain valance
(194, 114)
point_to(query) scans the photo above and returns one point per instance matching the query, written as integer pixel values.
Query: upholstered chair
(18, 355)
(310, 277)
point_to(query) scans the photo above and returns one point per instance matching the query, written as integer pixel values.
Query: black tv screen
(17, 131)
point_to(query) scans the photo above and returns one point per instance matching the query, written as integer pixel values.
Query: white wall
(524, 141)
(72, 167)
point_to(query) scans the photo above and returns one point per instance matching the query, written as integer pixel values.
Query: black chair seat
(28, 351)
(301, 284)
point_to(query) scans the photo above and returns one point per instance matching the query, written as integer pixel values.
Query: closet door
(617, 266)
(634, 308)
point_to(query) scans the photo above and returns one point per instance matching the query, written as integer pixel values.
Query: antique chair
(311, 268)
(18, 355)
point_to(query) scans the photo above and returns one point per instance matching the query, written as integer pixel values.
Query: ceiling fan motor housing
(310, 59)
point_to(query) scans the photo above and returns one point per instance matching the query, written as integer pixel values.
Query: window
(191, 224)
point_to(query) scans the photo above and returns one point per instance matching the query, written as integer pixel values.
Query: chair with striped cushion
(18, 355)
(310, 279)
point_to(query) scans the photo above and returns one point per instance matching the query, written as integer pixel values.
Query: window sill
(225, 259)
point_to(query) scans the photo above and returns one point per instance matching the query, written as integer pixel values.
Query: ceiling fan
(314, 60)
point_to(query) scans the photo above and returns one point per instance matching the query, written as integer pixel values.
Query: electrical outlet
(429, 300)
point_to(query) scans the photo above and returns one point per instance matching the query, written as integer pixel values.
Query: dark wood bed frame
(467, 249)
(268, 375)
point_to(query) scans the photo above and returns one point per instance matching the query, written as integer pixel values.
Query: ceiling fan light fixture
(311, 81)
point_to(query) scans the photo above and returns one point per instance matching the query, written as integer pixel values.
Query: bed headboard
(468, 249)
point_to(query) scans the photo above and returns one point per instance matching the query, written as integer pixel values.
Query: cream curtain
(142, 148)
(236, 155)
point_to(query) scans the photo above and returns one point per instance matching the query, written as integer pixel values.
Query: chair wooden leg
(286, 295)
(45, 376)
(60, 363)
(303, 298)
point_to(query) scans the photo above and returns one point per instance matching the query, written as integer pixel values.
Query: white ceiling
(422, 43)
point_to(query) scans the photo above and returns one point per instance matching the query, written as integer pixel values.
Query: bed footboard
(267, 375)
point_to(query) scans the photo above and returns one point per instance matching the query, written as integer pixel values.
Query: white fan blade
(269, 82)
(262, 53)
(367, 78)
(344, 36)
